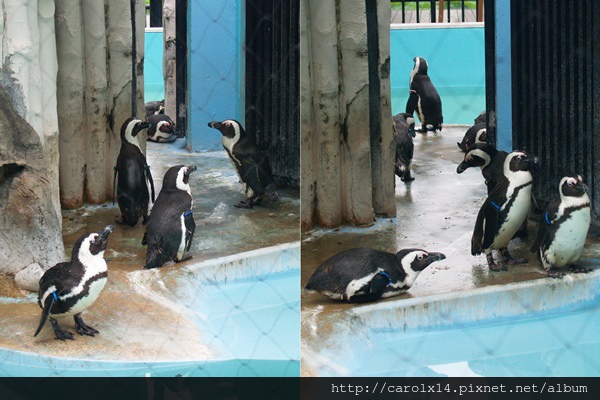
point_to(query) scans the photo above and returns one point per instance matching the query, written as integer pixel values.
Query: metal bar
(156, 10)
(463, 10)
(490, 70)
(403, 12)
(432, 10)
(181, 64)
(418, 12)
(133, 59)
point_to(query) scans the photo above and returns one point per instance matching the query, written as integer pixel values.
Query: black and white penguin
(154, 107)
(404, 132)
(251, 164)
(475, 134)
(481, 118)
(363, 275)
(134, 175)
(171, 226)
(490, 160)
(161, 129)
(429, 104)
(69, 288)
(563, 228)
(504, 210)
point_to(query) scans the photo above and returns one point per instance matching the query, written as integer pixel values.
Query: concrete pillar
(169, 58)
(344, 172)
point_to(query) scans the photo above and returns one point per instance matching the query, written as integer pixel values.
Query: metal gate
(555, 90)
(273, 83)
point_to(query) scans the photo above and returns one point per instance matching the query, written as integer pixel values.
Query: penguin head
(91, 245)
(518, 161)
(178, 177)
(130, 129)
(230, 129)
(572, 186)
(416, 259)
(480, 155)
(420, 66)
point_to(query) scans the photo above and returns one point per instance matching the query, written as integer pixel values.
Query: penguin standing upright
(504, 210)
(363, 275)
(428, 104)
(490, 160)
(251, 165)
(563, 228)
(69, 288)
(404, 132)
(171, 226)
(475, 134)
(134, 175)
(161, 129)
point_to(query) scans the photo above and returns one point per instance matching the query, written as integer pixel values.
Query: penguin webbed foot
(82, 328)
(578, 269)
(507, 258)
(495, 266)
(59, 332)
(555, 273)
(248, 204)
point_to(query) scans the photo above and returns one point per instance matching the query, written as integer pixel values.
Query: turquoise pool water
(564, 342)
(460, 104)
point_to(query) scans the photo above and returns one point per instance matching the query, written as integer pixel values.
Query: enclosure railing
(436, 11)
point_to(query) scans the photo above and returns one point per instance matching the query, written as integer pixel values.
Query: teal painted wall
(456, 58)
(215, 68)
(154, 84)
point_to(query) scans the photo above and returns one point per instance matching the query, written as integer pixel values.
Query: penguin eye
(519, 158)
(570, 183)
(420, 257)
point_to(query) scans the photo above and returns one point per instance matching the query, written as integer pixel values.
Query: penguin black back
(133, 175)
(429, 104)
(171, 226)
(251, 164)
(404, 132)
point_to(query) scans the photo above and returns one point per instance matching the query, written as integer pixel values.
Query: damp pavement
(133, 326)
(435, 212)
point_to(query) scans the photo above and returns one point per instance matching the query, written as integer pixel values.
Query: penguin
(481, 118)
(161, 129)
(69, 288)
(490, 160)
(171, 226)
(251, 165)
(429, 104)
(563, 228)
(134, 174)
(154, 107)
(404, 132)
(504, 210)
(363, 275)
(475, 134)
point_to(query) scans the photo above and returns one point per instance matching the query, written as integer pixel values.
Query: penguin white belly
(569, 238)
(515, 217)
(86, 301)
(355, 285)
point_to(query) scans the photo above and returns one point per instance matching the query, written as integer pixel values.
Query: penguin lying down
(363, 275)
(69, 288)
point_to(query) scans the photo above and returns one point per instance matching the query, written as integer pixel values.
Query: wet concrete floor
(132, 326)
(435, 212)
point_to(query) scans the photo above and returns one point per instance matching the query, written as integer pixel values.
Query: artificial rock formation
(347, 148)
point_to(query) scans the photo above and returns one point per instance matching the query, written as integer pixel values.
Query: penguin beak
(436, 256)
(106, 231)
(534, 163)
(461, 168)
(191, 168)
(215, 124)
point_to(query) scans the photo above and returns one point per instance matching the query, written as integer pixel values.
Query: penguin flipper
(376, 288)
(545, 222)
(492, 222)
(150, 180)
(45, 312)
(477, 238)
(190, 227)
(115, 182)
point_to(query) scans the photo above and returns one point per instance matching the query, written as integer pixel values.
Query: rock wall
(169, 57)
(30, 218)
(347, 164)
